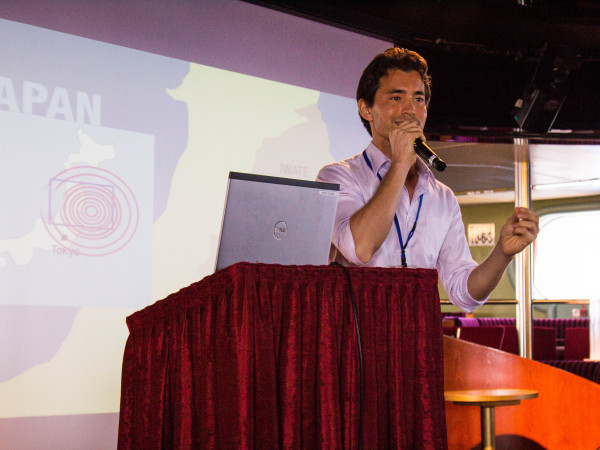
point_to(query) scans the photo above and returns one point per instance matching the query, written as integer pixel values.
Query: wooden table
(488, 399)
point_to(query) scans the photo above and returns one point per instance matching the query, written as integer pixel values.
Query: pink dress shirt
(439, 240)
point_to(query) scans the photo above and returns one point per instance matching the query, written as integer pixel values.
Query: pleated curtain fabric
(266, 356)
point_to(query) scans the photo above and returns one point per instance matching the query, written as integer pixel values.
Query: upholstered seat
(544, 343)
(577, 343)
(489, 336)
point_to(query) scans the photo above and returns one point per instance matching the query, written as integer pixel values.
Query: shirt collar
(376, 156)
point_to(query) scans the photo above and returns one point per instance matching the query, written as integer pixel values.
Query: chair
(544, 343)
(450, 331)
(497, 321)
(467, 321)
(510, 343)
(561, 324)
(490, 336)
(577, 343)
(585, 369)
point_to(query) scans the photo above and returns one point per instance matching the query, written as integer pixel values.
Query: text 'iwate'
(57, 103)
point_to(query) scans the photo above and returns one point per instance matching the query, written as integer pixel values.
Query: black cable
(360, 359)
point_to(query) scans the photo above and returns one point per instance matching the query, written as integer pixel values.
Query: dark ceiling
(483, 55)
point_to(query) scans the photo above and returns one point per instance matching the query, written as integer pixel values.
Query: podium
(267, 356)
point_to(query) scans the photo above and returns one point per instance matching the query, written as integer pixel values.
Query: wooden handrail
(565, 414)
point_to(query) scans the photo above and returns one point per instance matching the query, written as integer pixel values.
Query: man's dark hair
(393, 58)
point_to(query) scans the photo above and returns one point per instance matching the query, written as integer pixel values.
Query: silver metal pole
(523, 260)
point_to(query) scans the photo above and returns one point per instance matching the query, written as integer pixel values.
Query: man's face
(400, 98)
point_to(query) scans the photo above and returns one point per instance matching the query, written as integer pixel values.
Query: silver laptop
(276, 221)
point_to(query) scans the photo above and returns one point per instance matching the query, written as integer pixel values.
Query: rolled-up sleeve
(455, 262)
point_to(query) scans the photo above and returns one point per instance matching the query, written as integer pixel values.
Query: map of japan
(89, 195)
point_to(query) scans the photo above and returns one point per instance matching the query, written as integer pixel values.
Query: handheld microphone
(429, 155)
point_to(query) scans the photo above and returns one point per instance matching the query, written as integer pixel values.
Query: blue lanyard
(396, 222)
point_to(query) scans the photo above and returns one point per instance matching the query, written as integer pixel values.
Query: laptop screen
(276, 220)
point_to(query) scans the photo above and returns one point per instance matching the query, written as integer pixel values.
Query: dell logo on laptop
(280, 230)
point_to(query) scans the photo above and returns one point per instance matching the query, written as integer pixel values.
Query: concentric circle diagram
(90, 210)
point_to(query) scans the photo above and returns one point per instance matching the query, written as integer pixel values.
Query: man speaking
(392, 212)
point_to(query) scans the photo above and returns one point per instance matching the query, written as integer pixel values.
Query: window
(567, 256)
